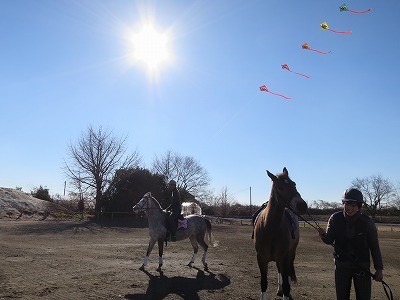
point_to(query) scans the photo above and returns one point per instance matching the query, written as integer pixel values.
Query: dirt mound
(15, 204)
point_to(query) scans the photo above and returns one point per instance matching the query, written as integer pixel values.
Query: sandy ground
(83, 260)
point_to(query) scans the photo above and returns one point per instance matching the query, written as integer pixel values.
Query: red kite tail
(304, 75)
(360, 12)
(340, 32)
(280, 95)
(319, 51)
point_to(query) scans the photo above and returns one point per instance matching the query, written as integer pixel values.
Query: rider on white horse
(174, 209)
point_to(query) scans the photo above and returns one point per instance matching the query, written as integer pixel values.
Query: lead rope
(386, 287)
(316, 226)
(387, 290)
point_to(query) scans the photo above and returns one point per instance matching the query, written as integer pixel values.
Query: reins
(316, 226)
(385, 286)
(387, 290)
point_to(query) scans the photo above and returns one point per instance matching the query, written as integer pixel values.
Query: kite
(285, 66)
(325, 26)
(344, 7)
(307, 47)
(263, 88)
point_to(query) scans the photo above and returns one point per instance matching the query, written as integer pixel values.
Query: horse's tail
(210, 236)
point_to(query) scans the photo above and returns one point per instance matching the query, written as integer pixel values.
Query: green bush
(41, 193)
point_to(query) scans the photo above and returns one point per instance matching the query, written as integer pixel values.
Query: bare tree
(376, 190)
(395, 202)
(321, 204)
(185, 170)
(223, 202)
(94, 160)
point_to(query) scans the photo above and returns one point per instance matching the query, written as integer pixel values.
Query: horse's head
(144, 204)
(287, 193)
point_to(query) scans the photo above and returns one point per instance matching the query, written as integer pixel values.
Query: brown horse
(275, 236)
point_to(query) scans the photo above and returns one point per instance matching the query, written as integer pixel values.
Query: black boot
(174, 225)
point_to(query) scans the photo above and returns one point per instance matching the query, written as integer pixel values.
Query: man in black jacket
(174, 208)
(354, 237)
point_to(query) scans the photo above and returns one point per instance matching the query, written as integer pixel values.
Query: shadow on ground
(54, 227)
(73, 225)
(187, 288)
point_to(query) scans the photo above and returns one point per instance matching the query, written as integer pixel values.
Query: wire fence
(243, 221)
(248, 222)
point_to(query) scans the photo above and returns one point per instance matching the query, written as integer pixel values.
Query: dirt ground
(83, 260)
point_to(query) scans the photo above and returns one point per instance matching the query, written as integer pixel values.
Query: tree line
(381, 196)
(99, 167)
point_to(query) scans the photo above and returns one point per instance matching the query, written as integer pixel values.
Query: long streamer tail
(360, 12)
(280, 95)
(304, 75)
(340, 32)
(319, 51)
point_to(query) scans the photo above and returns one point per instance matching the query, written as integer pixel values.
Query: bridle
(286, 203)
(143, 204)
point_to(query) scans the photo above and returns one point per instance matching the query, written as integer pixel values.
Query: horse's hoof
(279, 293)
(141, 268)
(190, 265)
(159, 269)
(205, 268)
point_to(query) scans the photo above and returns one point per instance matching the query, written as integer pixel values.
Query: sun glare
(150, 47)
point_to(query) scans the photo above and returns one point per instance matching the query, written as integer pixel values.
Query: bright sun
(150, 47)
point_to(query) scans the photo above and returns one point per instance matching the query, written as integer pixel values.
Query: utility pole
(250, 202)
(65, 185)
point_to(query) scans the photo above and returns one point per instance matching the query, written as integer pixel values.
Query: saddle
(182, 223)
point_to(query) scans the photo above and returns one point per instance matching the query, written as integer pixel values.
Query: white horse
(197, 227)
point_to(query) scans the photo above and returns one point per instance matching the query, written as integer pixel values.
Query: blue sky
(63, 68)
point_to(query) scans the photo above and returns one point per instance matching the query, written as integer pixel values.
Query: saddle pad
(182, 224)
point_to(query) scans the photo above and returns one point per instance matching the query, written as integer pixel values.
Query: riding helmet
(352, 195)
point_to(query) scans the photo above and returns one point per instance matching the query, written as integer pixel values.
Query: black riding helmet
(353, 195)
